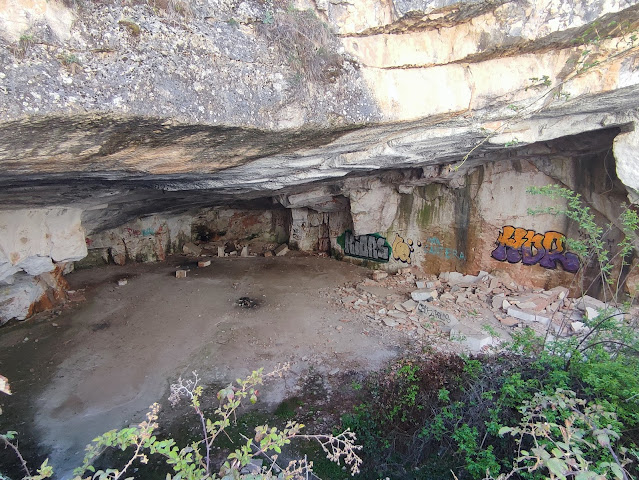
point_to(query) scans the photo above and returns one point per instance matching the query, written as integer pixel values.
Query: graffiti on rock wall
(433, 246)
(402, 250)
(371, 246)
(531, 248)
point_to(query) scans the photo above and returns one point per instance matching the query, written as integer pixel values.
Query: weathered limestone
(139, 137)
(626, 151)
(373, 209)
(146, 239)
(33, 240)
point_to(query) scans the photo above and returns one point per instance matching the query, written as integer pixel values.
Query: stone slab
(281, 250)
(442, 317)
(423, 294)
(528, 316)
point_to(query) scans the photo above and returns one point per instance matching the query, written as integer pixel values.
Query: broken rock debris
(468, 309)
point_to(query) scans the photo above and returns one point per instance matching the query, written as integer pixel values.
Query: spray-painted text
(531, 248)
(371, 247)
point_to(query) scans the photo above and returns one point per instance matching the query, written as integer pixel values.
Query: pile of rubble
(235, 249)
(478, 311)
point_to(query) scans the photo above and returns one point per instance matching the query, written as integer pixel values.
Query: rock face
(410, 127)
(33, 241)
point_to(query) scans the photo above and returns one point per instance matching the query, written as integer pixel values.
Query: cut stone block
(423, 294)
(444, 318)
(281, 250)
(591, 313)
(180, 273)
(204, 263)
(220, 251)
(244, 251)
(588, 301)
(471, 338)
(420, 284)
(528, 316)
(191, 249)
(122, 282)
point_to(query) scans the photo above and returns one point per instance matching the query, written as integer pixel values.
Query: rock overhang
(196, 113)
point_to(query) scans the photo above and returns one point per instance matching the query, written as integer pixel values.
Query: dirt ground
(99, 362)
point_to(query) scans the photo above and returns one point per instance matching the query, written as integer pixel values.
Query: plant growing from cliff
(593, 247)
(305, 42)
(595, 47)
(606, 356)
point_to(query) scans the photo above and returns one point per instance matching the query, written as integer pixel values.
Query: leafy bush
(194, 461)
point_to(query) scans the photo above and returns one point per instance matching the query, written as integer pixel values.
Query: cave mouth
(443, 216)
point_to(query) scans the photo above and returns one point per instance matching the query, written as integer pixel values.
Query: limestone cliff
(372, 116)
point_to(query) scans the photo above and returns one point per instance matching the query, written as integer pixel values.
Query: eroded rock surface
(414, 127)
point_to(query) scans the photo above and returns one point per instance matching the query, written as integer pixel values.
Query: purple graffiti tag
(530, 248)
(569, 261)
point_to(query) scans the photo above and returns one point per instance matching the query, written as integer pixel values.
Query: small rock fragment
(397, 315)
(423, 294)
(122, 282)
(180, 273)
(578, 327)
(4, 385)
(509, 321)
(281, 250)
(591, 313)
(378, 275)
(409, 305)
(192, 249)
(389, 322)
(204, 263)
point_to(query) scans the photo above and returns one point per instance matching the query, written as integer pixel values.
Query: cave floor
(99, 362)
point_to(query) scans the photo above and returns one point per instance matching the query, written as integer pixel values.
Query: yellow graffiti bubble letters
(402, 249)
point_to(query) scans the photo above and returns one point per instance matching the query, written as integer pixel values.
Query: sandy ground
(99, 363)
